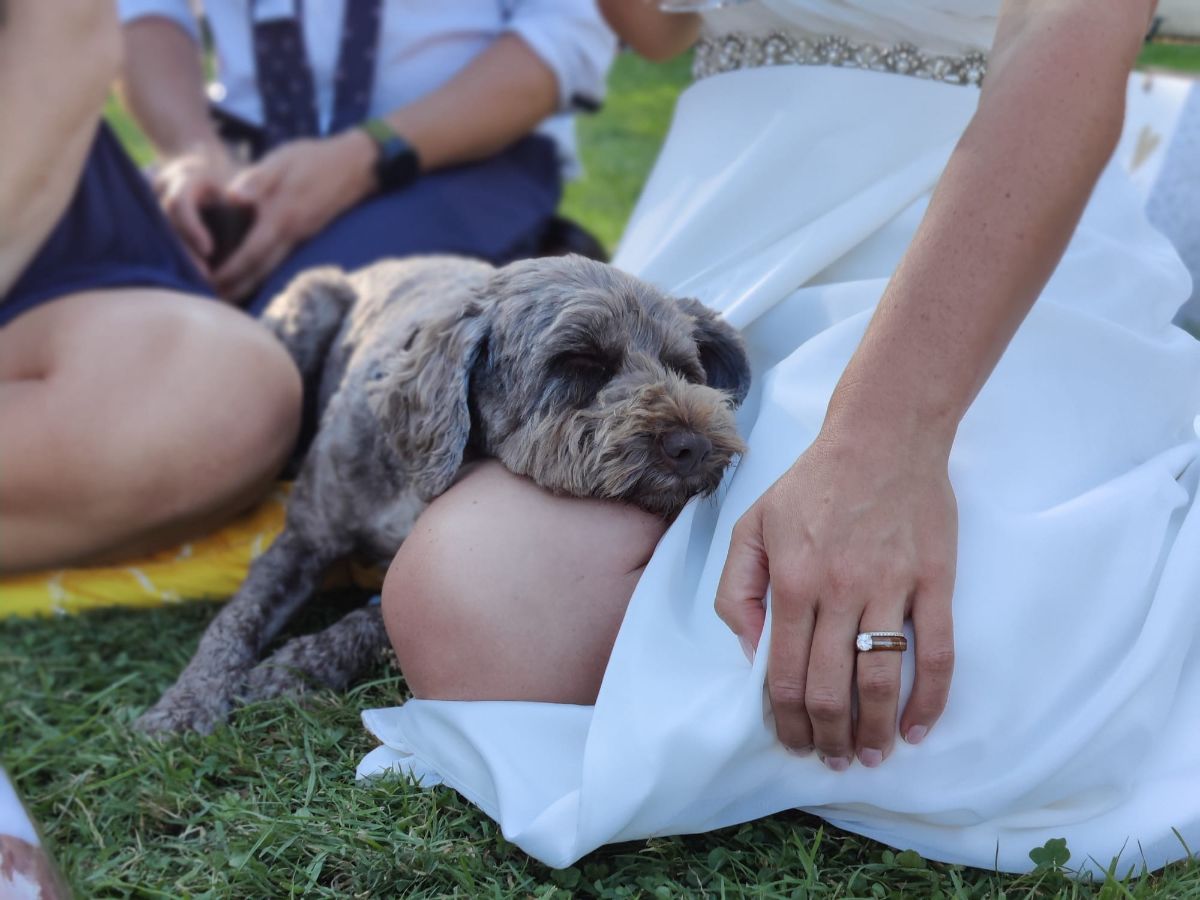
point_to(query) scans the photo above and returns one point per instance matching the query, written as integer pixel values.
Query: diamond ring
(881, 640)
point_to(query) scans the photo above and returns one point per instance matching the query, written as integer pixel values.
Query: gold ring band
(868, 641)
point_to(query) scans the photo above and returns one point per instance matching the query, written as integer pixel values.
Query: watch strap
(379, 130)
(397, 165)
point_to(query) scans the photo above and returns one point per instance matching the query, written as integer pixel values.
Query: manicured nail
(870, 757)
(747, 647)
(836, 763)
(916, 734)
(800, 751)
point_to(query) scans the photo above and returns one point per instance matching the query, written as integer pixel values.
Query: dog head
(583, 378)
(595, 384)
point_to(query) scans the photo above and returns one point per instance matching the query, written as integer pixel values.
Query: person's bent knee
(237, 395)
(259, 386)
(159, 408)
(505, 592)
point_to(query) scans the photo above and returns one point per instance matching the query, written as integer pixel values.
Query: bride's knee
(421, 602)
(503, 591)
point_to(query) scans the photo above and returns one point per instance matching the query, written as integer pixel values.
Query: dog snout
(684, 451)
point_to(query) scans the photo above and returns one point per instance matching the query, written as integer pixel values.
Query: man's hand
(296, 191)
(850, 540)
(185, 183)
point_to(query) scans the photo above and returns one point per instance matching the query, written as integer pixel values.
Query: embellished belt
(726, 52)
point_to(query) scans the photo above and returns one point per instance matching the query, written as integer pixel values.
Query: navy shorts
(111, 235)
(496, 210)
(114, 235)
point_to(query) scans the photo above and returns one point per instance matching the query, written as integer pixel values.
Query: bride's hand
(856, 536)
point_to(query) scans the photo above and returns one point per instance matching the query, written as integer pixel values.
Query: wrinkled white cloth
(785, 197)
(1174, 204)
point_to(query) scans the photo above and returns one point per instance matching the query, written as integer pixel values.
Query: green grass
(136, 143)
(619, 144)
(269, 807)
(1172, 55)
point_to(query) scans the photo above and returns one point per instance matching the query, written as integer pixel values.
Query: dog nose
(684, 451)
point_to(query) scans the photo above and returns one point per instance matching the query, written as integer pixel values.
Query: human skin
(70, 50)
(649, 31)
(850, 538)
(856, 537)
(543, 631)
(162, 83)
(133, 417)
(297, 189)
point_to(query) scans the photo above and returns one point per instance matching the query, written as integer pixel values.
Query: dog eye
(583, 375)
(583, 364)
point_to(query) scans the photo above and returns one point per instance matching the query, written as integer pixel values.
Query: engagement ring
(881, 640)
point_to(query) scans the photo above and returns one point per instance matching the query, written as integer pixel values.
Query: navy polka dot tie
(356, 63)
(285, 78)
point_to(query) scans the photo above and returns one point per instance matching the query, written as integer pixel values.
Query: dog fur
(568, 371)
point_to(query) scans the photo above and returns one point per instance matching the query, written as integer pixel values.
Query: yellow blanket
(209, 568)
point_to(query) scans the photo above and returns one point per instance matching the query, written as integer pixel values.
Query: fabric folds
(785, 197)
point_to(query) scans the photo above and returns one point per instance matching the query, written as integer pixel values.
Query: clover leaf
(1052, 855)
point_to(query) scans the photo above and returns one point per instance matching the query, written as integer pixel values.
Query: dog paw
(270, 680)
(177, 715)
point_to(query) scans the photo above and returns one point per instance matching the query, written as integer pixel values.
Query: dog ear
(307, 316)
(420, 396)
(722, 353)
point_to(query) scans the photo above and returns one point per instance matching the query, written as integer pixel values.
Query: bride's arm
(1049, 118)
(862, 531)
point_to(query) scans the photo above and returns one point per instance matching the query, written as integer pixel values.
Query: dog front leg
(333, 658)
(279, 582)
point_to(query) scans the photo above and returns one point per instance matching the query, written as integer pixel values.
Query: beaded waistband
(724, 53)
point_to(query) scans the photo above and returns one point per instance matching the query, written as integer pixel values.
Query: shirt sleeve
(178, 11)
(572, 38)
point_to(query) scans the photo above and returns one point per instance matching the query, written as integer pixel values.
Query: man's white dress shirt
(422, 44)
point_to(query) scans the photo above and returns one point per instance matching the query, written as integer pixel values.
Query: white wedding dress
(784, 197)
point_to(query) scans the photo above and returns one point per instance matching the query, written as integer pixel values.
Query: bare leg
(506, 592)
(132, 419)
(57, 61)
(128, 419)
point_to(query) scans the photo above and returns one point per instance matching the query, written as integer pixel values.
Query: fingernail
(916, 734)
(800, 751)
(747, 647)
(836, 763)
(870, 757)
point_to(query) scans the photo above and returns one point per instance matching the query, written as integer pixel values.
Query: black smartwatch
(397, 165)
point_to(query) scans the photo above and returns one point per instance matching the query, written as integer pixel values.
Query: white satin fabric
(785, 198)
